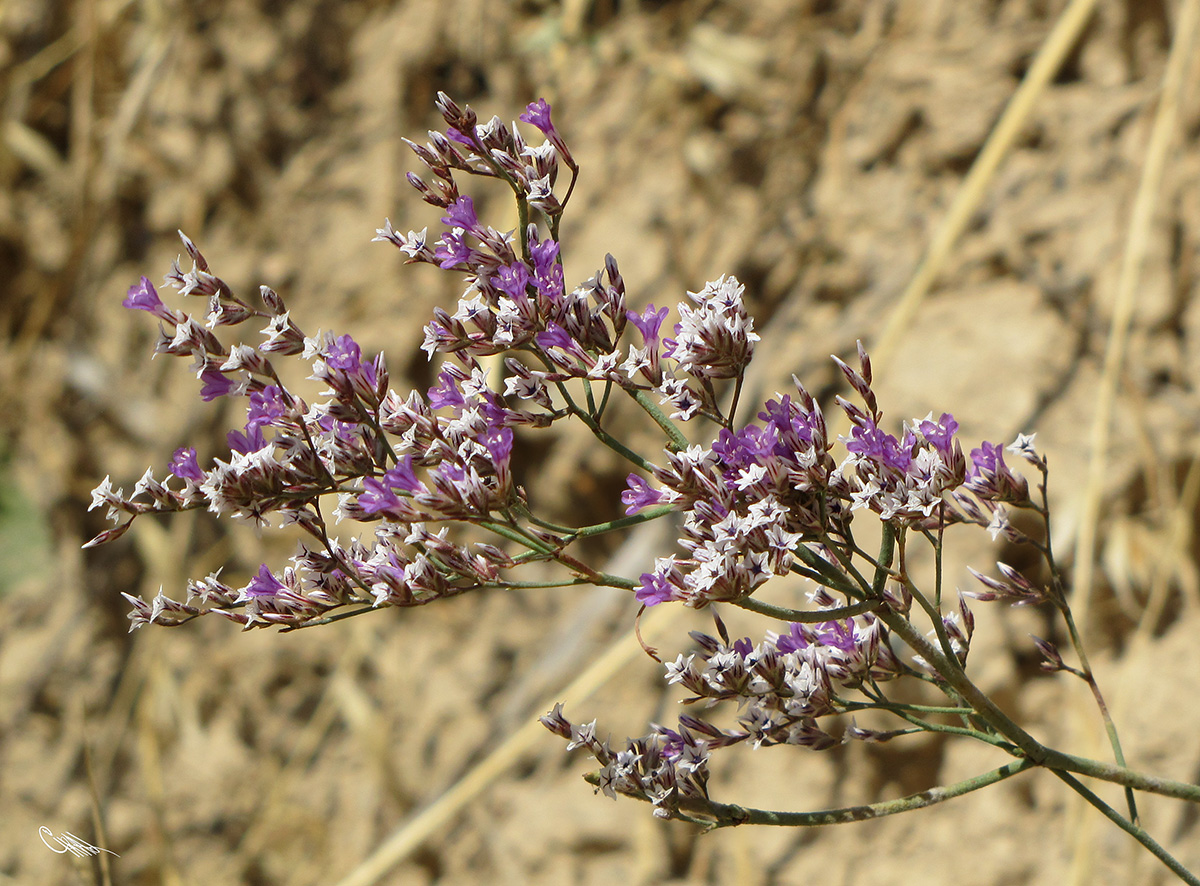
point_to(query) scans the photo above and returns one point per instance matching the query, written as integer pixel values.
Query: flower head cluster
(784, 684)
(748, 500)
(668, 768)
(405, 461)
(516, 299)
(426, 479)
(716, 338)
(445, 456)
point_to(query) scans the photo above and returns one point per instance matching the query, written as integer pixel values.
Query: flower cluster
(754, 495)
(784, 684)
(399, 462)
(439, 457)
(426, 482)
(667, 768)
(748, 500)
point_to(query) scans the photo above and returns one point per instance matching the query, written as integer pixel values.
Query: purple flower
(447, 392)
(402, 476)
(878, 446)
(251, 441)
(556, 337)
(376, 497)
(461, 214)
(655, 589)
(344, 353)
(455, 136)
(216, 384)
(499, 444)
(833, 634)
(545, 255)
(639, 495)
(348, 375)
(649, 323)
(265, 584)
(184, 465)
(547, 272)
(453, 250)
(940, 434)
(266, 406)
(513, 279)
(991, 479)
(538, 114)
(142, 296)
(987, 459)
(794, 426)
(749, 446)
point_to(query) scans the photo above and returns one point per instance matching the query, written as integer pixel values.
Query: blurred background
(813, 148)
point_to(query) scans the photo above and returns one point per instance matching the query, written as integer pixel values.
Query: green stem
(1134, 830)
(515, 534)
(887, 549)
(522, 585)
(1121, 775)
(608, 388)
(522, 223)
(571, 532)
(622, 522)
(950, 671)
(846, 561)
(828, 573)
(806, 616)
(728, 815)
(935, 617)
(1064, 608)
(850, 707)
(946, 728)
(1089, 677)
(678, 441)
(611, 442)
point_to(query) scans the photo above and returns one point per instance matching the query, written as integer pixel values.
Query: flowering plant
(432, 476)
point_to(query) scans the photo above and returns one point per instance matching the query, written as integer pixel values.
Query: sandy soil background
(815, 150)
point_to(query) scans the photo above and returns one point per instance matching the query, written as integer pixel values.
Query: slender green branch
(567, 583)
(851, 707)
(1134, 830)
(678, 441)
(937, 558)
(806, 616)
(329, 619)
(939, 627)
(516, 534)
(571, 533)
(604, 437)
(737, 395)
(617, 581)
(828, 574)
(608, 389)
(1059, 598)
(846, 561)
(956, 678)
(623, 522)
(522, 223)
(1121, 775)
(1110, 727)
(947, 729)
(887, 548)
(721, 815)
